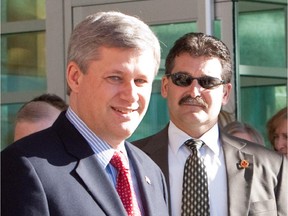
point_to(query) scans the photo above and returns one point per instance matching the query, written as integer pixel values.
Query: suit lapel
(143, 180)
(148, 182)
(88, 168)
(239, 179)
(157, 149)
(100, 186)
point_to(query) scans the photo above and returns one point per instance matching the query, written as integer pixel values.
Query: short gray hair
(110, 29)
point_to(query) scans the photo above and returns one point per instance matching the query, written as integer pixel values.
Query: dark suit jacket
(259, 189)
(55, 172)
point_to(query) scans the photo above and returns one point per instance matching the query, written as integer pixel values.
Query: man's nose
(130, 92)
(195, 88)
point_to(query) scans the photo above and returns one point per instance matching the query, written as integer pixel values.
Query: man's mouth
(124, 110)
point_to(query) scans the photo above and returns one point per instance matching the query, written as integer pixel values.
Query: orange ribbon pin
(244, 164)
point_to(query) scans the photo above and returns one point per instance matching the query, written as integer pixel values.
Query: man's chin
(127, 131)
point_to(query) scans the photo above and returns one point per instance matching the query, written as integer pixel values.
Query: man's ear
(226, 93)
(73, 76)
(164, 86)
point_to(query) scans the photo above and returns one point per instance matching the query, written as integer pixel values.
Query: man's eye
(140, 81)
(114, 78)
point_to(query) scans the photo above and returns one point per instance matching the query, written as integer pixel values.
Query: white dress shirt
(212, 154)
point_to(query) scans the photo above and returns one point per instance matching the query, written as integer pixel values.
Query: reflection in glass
(20, 10)
(262, 43)
(23, 62)
(262, 38)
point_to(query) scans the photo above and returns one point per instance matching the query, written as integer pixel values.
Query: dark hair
(199, 44)
(37, 107)
(53, 100)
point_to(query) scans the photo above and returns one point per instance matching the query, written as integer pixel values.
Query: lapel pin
(147, 180)
(243, 164)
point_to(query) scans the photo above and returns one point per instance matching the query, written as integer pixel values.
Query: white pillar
(205, 16)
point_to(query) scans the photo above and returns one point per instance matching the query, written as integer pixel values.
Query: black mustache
(193, 101)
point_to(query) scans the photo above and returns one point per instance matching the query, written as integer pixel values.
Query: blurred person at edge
(38, 114)
(244, 131)
(277, 131)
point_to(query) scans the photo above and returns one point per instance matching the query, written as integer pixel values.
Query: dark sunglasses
(184, 80)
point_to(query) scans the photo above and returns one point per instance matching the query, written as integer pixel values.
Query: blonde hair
(274, 122)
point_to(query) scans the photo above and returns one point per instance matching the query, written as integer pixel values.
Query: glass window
(262, 38)
(20, 10)
(23, 62)
(22, 70)
(263, 52)
(168, 33)
(22, 58)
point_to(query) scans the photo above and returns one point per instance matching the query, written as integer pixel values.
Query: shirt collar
(101, 148)
(211, 139)
(177, 138)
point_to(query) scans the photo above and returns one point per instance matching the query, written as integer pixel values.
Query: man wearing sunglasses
(243, 178)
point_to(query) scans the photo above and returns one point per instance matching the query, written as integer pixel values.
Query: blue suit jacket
(259, 189)
(55, 172)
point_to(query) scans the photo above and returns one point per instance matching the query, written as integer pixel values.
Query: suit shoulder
(140, 155)
(136, 150)
(259, 152)
(151, 140)
(142, 142)
(263, 153)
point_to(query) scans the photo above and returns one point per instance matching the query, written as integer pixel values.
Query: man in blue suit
(244, 178)
(65, 170)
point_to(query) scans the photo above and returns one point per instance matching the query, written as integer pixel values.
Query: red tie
(124, 184)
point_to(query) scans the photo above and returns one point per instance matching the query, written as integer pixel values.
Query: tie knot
(119, 161)
(194, 144)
